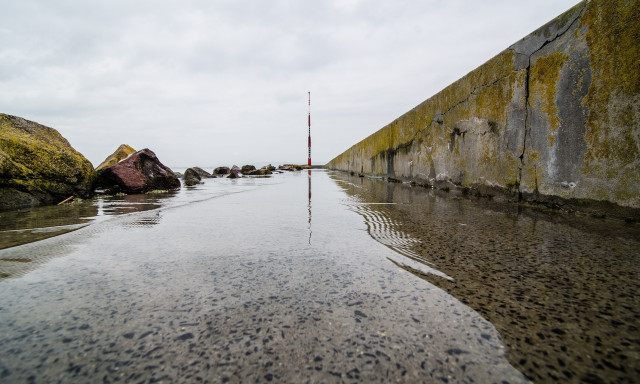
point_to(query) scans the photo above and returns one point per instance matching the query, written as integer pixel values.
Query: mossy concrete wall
(554, 116)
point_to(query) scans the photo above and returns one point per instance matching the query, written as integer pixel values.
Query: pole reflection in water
(309, 205)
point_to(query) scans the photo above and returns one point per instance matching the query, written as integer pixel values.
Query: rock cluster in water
(246, 170)
(38, 167)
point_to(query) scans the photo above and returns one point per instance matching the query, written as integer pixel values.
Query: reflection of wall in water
(382, 228)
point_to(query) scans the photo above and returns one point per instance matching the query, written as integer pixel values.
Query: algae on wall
(554, 115)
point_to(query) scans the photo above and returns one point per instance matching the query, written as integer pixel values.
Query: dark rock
(191, 177)
(141, 172)
(247, 168)
(234, 172)
(201, 172)
(121, 153)
(269, 167)
(221, 171)
(129, 335)
(185, 336)
(39, 166)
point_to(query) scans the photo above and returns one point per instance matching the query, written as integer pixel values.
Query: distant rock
(221, 171)
(290, 167)
(140, 172)
(258, 172)
(38, 166)
(269, 167)
(121, 153)
(247, 168)
(234, 172)
(191, 177)
(201, 172)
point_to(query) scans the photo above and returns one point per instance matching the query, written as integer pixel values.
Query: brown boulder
(139, 173)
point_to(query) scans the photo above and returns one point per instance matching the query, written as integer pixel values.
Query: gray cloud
(217, 82)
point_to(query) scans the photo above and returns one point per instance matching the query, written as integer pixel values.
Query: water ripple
(386, 231)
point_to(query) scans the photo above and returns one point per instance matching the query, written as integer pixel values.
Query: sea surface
(315, 277)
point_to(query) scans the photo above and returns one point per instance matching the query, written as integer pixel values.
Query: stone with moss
(247, 168)
(121, 153)
(191, 177)
(38, 166)
(258, 172)
(221, 171)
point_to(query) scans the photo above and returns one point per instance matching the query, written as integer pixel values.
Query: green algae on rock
(38, 166)
(121, 153)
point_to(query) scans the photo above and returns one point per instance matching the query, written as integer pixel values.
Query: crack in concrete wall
(576, 18)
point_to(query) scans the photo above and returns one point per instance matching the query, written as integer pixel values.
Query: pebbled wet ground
(562, 290)
(261, 281)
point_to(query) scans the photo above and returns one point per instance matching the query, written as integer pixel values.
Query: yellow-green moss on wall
(543, 82)
(614, 45)
(613, 126)
(484, 92)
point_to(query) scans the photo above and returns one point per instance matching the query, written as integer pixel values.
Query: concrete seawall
(554, 118)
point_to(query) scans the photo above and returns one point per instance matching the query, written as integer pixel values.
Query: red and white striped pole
(309, 120)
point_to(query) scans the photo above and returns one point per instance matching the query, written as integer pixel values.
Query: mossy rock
(121, 153)
(191, 177)
(38, 166)
(258, 172)
(221, 171)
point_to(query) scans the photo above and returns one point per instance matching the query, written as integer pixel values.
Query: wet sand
(263, 282)
(562, 290)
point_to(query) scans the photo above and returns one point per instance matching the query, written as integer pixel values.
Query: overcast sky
(217, 82)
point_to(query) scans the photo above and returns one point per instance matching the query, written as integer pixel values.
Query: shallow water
(259, 282)
(562, 290)
(273, 280)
